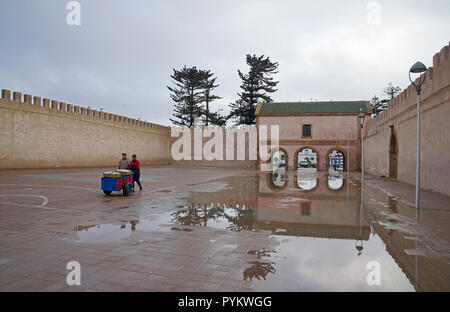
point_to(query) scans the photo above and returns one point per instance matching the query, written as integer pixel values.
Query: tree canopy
(191, 88)
(257, 85)
(390, 93)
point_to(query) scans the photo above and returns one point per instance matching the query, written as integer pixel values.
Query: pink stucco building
(316, 134)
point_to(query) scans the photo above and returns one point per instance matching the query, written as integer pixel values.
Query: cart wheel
(107, 192)
(126, 189)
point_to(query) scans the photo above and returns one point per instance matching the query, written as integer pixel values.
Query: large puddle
(322, 237)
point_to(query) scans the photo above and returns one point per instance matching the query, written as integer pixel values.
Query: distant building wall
(328, 132)
(44, 133)
(390, 138)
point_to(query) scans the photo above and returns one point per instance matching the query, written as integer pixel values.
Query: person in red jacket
(135, 166)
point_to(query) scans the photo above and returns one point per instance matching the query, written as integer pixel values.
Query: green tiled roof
(291, 108)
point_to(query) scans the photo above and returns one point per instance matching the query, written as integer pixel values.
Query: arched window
(335, 182)
(307, 158)
(336, 161)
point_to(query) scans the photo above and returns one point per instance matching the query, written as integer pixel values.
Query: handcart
(123, 183)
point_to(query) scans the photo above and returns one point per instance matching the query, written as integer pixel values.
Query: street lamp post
(361, 118)
(418, 68)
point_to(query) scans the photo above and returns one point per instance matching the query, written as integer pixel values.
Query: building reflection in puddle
(320, 235)
(278, 177)
(306, 207)
(335, 182)
(316, 206)
(306, 182)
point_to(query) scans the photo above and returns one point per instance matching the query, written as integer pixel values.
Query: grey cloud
(122, 55)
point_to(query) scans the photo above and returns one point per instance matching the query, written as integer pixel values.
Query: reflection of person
(133, 224)
(124, 162)
(135, 166)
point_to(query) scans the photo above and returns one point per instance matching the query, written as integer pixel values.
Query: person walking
(135, 166)
(124, 162)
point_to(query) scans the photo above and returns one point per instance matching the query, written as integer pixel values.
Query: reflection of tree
(79, 228)
(190, 215)
(243, 219)
(238, 218)
(212, 212)
(259, 269)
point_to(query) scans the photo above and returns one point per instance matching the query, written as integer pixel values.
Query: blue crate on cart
(116, 184)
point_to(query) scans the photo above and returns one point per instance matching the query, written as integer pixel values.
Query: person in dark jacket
(135, 166)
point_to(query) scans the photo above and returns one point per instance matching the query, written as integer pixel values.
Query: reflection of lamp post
(361, 118)
(359, 244)
(359, 247)
(418, 68)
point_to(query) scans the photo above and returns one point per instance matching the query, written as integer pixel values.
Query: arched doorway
(336, 161)
(278, 159)
(393, 155)
(306, 158)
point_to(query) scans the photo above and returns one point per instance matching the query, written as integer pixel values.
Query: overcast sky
(121, 56)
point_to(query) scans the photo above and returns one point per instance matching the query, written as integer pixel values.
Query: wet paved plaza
(193, 229)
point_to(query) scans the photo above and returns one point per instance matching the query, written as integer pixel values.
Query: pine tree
(257, 86)
(377, 105)
(392, 91)
(187, 94)
(208, 97)
(216, 119)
